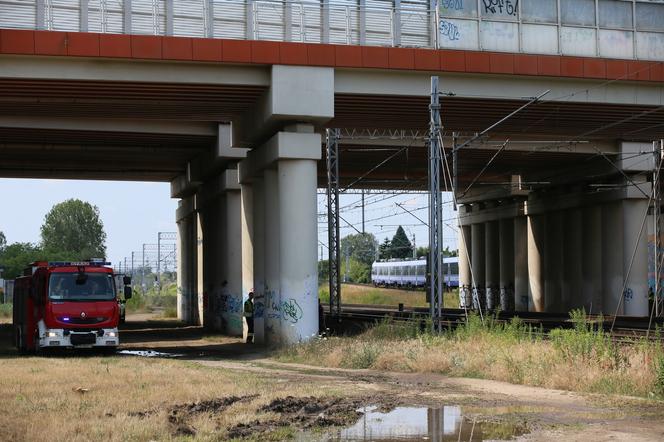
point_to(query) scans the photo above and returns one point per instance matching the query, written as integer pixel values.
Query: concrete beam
(209, 164)
(72, 68)
(110, 125)
(186, 207)
(297, 94)
(184, 185)
(282, 146)
(355, 81)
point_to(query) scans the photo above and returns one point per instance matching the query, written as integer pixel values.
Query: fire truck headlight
(112, 334)
(52, 334)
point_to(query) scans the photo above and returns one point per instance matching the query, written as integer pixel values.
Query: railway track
(356, 317)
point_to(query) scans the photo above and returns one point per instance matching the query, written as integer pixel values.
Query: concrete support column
(247, 223)
(211, 265)
(477, 255)
(298, 234)
(200, 284)
(259, 258)
(612, 259)
(465, 278)
(592, 259)
(572, 281)
(553, 262)
(272, 267)
(536, 251)
(506, 237)
(521, 284)
(183, 295)
(231, 293)
(187, 262)
(635, 247)
(492, 259)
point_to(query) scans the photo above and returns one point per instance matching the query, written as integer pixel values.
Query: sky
(134, 212)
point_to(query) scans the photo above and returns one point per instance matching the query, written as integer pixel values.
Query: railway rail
(356, 317)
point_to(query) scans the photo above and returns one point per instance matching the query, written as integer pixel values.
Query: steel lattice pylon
(435, 210)
(332, 149)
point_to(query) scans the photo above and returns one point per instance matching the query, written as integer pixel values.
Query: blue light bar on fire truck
(78, 263)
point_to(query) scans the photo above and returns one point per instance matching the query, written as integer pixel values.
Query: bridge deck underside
(103, 153)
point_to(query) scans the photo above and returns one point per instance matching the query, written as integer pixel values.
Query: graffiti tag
(449, 30)
(230, 303)
(508, 7)
(452, 4)
(291, 311)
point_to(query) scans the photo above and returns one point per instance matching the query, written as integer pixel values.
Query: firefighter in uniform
(249, 317)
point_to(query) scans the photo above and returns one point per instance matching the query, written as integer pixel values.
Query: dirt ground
(270, 400)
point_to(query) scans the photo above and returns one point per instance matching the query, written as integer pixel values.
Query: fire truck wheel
(20, 346)
(37, 350)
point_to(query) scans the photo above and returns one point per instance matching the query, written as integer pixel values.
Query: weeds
(583, 358)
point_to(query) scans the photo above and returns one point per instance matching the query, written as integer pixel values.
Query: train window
(420, 270)
(455, 268)
(412, 271)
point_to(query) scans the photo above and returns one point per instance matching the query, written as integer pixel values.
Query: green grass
(6, 310)
(364, 294)
(152, 299)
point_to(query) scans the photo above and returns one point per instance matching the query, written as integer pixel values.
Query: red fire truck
(67, 304)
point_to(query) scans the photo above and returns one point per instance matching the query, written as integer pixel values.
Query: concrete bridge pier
(553, 262)
(521, 277)
(465, 275)
(507, 264)
(282, 173)
(187, 303)
(272, 322)
(572, 283)
(258, 192)
(536, 252)
(593, 249)
(492, 265)
(478, 257)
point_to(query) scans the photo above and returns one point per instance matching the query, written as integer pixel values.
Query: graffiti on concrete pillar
(628, 294)
(291, 311)
(272, 307)
(259, 310)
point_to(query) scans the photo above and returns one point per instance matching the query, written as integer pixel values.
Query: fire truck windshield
(81, 287)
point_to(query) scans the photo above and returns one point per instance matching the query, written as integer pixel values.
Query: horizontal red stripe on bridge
(77, 44)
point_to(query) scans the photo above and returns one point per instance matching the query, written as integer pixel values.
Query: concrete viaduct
(231, 108)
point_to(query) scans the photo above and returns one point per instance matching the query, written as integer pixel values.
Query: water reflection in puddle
(148, 354)
(421, 423)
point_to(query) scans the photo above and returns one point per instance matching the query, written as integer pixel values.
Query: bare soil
(261, 397)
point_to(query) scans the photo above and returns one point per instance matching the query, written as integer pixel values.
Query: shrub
(6, 310)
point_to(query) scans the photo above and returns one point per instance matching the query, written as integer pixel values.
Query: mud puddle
(420, 423)
(302, 413)
(149, 354)
(180, 415)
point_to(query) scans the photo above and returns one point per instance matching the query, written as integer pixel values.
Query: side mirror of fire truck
(127, 292)
(126, 280)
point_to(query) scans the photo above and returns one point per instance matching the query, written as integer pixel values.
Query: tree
(3, 242)
(15, 257)
(385, 249)
(401, 246)
(73, 230)
(361, 247)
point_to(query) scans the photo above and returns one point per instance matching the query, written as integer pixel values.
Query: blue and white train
(412, 273)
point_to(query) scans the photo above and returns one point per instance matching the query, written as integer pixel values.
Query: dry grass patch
(126, 398)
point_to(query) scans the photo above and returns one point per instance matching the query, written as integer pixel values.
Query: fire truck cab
(66, 304)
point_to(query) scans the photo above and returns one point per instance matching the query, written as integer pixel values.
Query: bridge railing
(366, 22)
